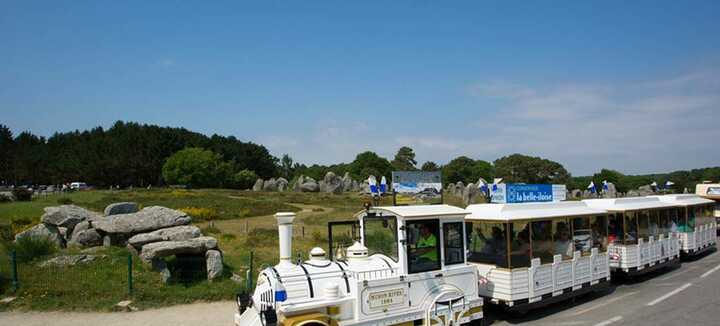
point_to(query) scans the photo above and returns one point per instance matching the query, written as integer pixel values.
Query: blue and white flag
(668, 184)
(591, 187)
(383, 185)
(482, 184)
(605, 185)
(496, 181)
(373, 185)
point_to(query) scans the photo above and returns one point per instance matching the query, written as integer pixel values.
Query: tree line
(130, 153)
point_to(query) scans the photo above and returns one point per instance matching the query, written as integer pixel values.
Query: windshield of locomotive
(381, 235)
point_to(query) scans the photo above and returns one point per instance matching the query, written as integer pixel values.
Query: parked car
(78, 186)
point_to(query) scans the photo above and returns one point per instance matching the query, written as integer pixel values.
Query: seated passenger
(563, 245)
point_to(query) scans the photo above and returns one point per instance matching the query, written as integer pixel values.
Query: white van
(78, 186)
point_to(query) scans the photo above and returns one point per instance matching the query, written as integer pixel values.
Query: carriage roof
(530, 211)
(418, 211)
(627, 203)
(684, 199)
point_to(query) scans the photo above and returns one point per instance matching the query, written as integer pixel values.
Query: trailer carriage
(408, 267)
(697, 231)
(641, 235)
(537, 253)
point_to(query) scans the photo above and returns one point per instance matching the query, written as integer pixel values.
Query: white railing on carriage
(377, 274)
(563, 274)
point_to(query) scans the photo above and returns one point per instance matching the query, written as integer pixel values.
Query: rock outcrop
(67, 216)
(214, 264)
(121, 208)
(168, 248)
(176, 233)
(42, 231)
(69, 260)
(258, 186)
(148, 219)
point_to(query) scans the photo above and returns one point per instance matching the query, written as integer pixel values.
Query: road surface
(688, 295)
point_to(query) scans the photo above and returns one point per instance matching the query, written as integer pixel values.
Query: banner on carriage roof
(508, 193)
(417, 187)
(713, 191)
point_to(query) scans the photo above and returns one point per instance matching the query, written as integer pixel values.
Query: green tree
(520, 168)
(193, 166)
(466, 170)
(617, 178)
(404, 160)
(369, 163)
(430, 166)
(286, 166)
(7, 145)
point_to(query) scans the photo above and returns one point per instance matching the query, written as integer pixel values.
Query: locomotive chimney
(285, 233)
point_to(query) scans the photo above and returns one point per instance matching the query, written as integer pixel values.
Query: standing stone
(214, 264)
(281, 184)
(121, 208)
(310, 185)
(42, 231)
(645, 190)
(159, 265)
(611, 192)
(298, 183)
(470, 194)
(347, 182)
(576, 194)
(258, 186)
(270, 185)
(450, 189)
(459, 189)
(107, 241)
(332, 183)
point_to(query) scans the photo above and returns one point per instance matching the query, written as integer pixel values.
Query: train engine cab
(400, 265)
(697, 231)
(641, 233)
(532, 254)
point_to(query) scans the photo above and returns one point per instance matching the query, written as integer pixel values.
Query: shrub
(257, 238)
(5, 198)
(201, 213)
(6, 233)
(29, 249)
(244, 179)
(22, 194)
(64, 201)
(211, 229)
(228, 236)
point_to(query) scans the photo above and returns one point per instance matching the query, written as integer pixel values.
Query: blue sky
(628, 85)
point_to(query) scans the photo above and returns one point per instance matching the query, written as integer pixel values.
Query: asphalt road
(685, 295)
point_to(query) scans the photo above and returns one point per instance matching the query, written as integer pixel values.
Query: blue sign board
(527, 193)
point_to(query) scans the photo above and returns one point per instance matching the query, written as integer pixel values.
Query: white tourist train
(698, 227)
(537, 253)
(641, 233)
(408, 268)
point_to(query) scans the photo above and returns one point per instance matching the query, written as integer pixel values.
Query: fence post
(250, 273)
(13, 263)
(130, 276)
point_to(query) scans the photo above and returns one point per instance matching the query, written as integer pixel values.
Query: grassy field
(241, 221)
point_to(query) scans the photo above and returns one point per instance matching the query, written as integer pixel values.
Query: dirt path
(205, 314)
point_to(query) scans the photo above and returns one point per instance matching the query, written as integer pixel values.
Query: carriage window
(631, 228)
(423, 247)
(562, 239)
(520, 251)
(664, 220)
(654, 223)
(381, 236)
(598, 224)
(453, 241)
(676, 219)
(542, 242)
(487, 243)
(690, 219)
(643, 225)
(582, 235)
(616, 235)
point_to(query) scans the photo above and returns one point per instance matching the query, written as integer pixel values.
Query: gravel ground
(206, 314)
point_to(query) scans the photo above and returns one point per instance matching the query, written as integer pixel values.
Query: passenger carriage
(641, 235)
(697, 230)
(711, 191)
(408, 267)
(537, 253)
